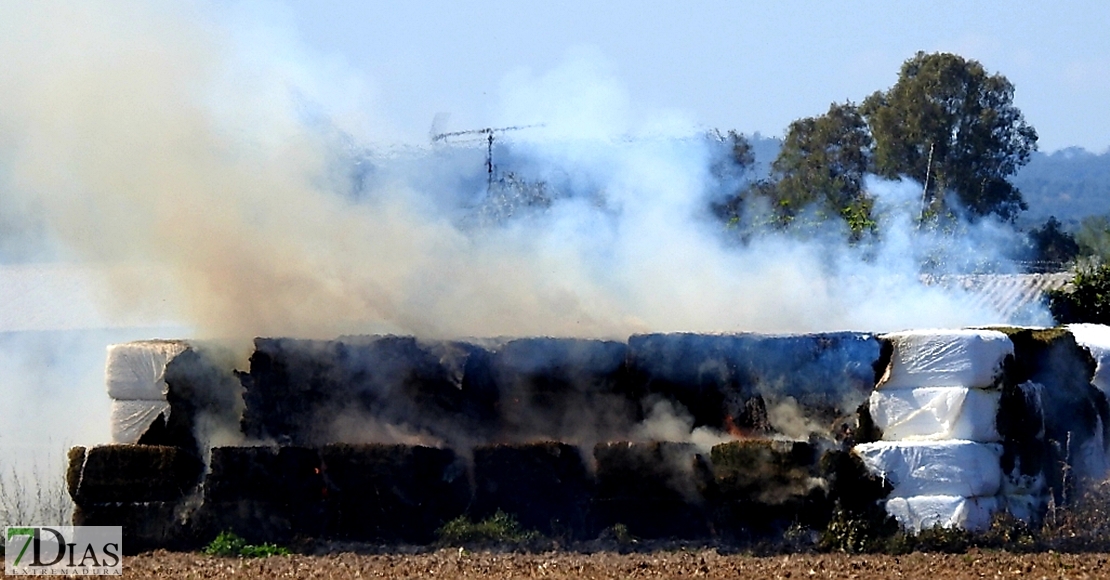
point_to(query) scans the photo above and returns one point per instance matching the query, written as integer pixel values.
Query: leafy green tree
(821, 166)
(951, 125)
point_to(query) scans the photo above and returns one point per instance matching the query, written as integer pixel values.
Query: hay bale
(392, 492)
(134, 473)
(286, 484)
(730, 381)
(242, 474)
(193, 381)
(297, 389)
(146, 525)
(74, 465)
(563, 388)
(656, 489)
(1076, 415)
(253, 520)
(777, 478)
(545, 486)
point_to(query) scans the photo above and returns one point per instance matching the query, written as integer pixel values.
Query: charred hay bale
(696, 371)
(133, 473)
(242, 473)
(563, 389)
(733, 381)
(545, 486)
(392, 492)
(1076, 416)
(285, 485)
(764, 485)
(657, 489)
(146, 525)
(824, 377)
(317, 392)
(255, 521)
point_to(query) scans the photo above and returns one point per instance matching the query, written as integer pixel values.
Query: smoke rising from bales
(208, 145)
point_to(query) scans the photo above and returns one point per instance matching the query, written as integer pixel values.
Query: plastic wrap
(136, 370)
(948, 511)
(130, 419)
(945, 358)
(1027, 508)
(936, 413)
(963, 468)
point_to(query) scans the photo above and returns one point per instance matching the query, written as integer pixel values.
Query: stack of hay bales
(936, 406)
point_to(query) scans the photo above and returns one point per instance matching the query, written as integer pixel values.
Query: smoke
(196, 140)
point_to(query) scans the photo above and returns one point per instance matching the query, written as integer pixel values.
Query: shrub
(228, 544)
(498, 528)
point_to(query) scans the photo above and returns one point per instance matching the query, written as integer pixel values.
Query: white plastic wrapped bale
(945, 358)
(936, 413)
(131, 419)
(136, 370)
(963, 468)
(949, 511)
(1096, 339)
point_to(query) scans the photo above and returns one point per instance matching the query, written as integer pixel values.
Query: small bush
(228, 544)
(498, 528)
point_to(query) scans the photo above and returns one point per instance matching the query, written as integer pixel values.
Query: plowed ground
(453, 563)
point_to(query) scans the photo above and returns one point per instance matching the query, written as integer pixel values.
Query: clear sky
(750, 66)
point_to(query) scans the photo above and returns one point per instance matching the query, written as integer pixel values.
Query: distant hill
(1070, 184)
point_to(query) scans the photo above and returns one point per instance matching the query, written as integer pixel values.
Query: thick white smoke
(188, 138)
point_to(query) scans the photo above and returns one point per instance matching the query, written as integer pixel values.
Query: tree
(1052, 244)
(821, 165)
(950, 125)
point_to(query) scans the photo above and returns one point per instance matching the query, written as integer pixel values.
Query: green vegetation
(1087, 301)
(946, 123)
(500, 528)
(228, 544)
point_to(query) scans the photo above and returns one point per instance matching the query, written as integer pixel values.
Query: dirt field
(451, 563)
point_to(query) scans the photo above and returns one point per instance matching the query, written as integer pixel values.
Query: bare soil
(704, 563)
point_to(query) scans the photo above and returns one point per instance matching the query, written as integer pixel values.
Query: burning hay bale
(162, 391)
(392, 492)
(563, 389)
(656, 489)
(545, 486)
(131, 473)
(764, 485)
(308, 392)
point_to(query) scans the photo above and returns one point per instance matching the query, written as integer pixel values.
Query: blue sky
(752, 66)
